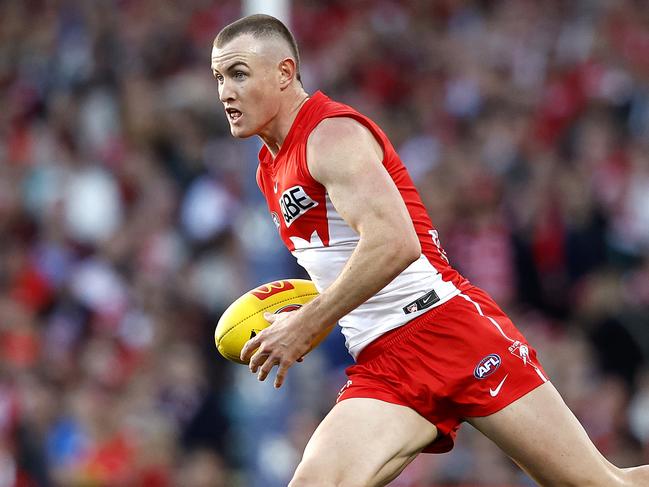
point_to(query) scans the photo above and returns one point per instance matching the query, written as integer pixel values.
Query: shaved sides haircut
(260, 26)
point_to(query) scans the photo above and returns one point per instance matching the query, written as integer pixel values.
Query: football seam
(264, 309)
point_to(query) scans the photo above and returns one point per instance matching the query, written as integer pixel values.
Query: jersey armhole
(258, 178)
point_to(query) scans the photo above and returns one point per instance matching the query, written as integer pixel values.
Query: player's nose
(226, 93)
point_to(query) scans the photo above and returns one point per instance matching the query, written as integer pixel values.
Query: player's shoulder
(338, 132)
(340, 145)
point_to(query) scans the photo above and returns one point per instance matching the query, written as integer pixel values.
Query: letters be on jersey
(295, 203)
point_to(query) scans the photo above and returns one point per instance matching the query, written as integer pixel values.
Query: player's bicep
(344, 156)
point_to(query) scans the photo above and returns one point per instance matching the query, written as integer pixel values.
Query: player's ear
(287, 72)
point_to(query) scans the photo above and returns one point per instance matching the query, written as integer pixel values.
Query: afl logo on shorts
(487, 366)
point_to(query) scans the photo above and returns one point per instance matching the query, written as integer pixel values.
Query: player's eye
(239, 75)
(219, 78)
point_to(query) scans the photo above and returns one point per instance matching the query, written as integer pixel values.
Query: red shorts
(464, 358)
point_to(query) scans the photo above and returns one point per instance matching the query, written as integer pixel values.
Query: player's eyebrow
(232, 66)
(237, 64)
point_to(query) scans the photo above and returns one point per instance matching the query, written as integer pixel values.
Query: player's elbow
(405, 250)
(412, 250)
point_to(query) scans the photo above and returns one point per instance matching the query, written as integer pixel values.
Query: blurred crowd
(129, 219)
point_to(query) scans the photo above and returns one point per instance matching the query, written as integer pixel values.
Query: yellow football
(245, 317)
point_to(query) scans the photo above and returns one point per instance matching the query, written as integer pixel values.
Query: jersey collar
(265, 157)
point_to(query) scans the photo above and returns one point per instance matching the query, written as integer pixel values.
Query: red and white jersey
(322, 241)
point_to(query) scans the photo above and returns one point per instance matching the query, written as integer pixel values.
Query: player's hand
(283, 343)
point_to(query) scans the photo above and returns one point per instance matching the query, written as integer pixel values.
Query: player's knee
(304, 480)
(572, 479)
(636, 475)
(310, 476)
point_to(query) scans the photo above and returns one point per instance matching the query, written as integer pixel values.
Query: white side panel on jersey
(339, 231)
(385, 310)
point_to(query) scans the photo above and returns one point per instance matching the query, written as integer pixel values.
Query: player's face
(248, 87)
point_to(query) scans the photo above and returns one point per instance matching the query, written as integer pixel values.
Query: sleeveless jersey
(322, 241)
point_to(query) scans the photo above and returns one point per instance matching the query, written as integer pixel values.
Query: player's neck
(277, 131)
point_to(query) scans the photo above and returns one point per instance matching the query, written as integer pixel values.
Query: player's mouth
(233, 114)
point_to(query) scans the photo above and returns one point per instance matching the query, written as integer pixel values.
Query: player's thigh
(362, 442)
(540, 433)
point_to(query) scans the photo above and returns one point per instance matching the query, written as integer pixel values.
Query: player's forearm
(373, 265)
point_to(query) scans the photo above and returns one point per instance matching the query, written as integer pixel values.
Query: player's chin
(241, 132)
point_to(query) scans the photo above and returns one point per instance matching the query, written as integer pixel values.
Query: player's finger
(257, 359)
(270, 317)
(265, 369)
(250, 347)
(282, 369)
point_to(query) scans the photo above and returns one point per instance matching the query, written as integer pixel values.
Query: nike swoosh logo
(494, 392)
(426, 299)
(275, 187)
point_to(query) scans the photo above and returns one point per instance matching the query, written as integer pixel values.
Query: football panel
(235, 338)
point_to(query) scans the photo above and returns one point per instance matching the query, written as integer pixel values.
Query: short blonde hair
(260, 26)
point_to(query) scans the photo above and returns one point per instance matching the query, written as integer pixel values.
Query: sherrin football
(245, 317)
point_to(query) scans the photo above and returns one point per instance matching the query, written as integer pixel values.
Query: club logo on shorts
(487, 366)
(521, 351)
